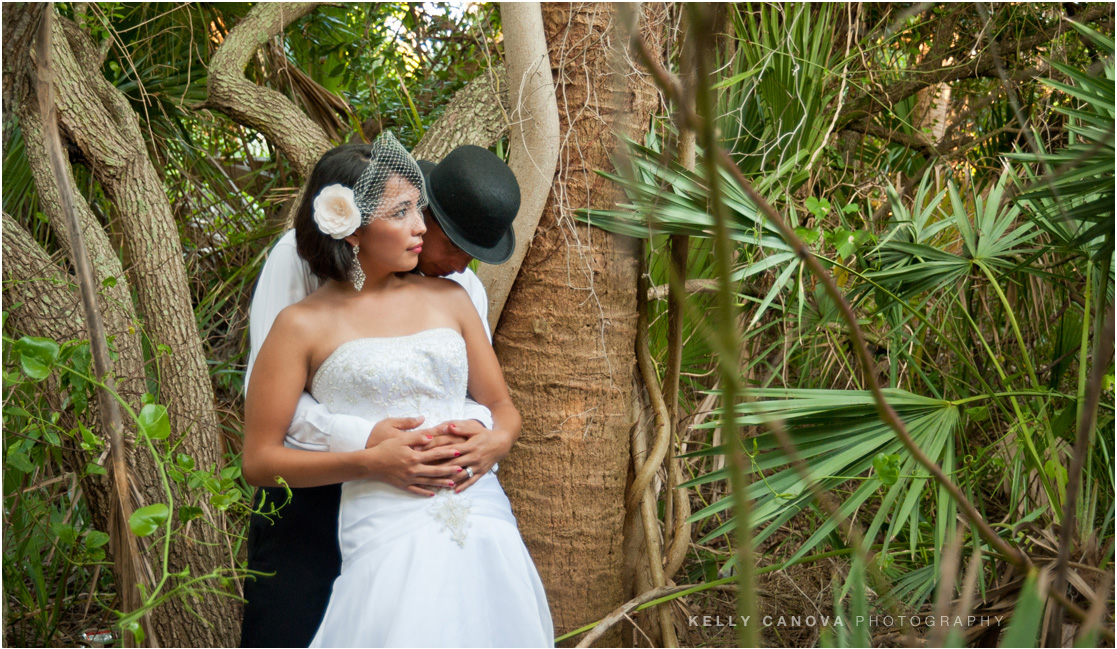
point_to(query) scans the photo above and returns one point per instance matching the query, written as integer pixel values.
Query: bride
(379, 342)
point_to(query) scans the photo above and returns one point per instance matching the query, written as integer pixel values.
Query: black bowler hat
(474, 197)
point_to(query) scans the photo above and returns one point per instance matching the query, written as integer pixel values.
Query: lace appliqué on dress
(425, 373)
(452, 510)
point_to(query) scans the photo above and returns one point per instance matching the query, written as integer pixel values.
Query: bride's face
(393, 239)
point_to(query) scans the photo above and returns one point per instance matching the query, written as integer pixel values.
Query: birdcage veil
(387, 158)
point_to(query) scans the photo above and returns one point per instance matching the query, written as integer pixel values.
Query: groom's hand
(480, 449)
(399, 462)
(396, 426)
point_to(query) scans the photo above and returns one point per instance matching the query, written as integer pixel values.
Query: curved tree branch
(534, 141)
(931, 70)
(100, 122)
(477, 114)
(108, 273)
(264, 109)
(914, 141)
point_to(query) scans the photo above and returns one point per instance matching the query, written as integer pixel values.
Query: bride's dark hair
(331, 258)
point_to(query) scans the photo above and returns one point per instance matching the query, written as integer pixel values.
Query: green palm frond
(772, 104)
(841, 439)
(665, 198)
(1074, 199)
(918, 255)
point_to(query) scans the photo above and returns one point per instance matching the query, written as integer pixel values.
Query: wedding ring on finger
(468, 473)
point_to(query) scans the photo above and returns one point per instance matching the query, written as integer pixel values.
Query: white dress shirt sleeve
(285, 280)
(476, 290)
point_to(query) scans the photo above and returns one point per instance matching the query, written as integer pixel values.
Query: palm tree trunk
(566, 336)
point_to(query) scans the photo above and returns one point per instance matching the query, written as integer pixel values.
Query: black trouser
(300, 546)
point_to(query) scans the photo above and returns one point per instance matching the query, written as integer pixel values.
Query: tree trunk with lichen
(478, 115)
(47, 304)
(99, 122)
(565, 339)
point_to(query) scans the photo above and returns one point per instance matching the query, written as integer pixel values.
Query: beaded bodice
(425, 373)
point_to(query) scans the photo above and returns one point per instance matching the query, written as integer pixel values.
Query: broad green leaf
(65, 533)
(887, 468)
(820, 207)
(153, 421)
(19, 461)
(89, 441)
(222, 501)
(846, 244)
(15, 411)
(96, 539)
(808, 236)
(145, 520)
(36, 356)
(136, 630)
(81, 359)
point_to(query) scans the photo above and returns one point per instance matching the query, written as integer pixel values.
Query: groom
(472, 199)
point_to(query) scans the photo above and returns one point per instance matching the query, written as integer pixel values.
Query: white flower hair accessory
(335, 211)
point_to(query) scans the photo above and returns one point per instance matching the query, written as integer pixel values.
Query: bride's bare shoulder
(302, 319)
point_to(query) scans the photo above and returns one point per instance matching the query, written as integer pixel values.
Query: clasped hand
(416, 459)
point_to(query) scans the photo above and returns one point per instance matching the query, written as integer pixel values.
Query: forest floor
(798, 595)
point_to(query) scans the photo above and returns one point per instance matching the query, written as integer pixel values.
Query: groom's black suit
(300, 546)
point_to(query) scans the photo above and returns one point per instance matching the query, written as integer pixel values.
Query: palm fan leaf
(1074, 202)
(840, 437)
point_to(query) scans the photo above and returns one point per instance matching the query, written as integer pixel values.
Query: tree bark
(19, 22)
(43, 301)
(932, 108)
(300, 139)
(566, 337)
(127, 559)
(117, 308)
(478, 114)
(99, 120)
(534, 140)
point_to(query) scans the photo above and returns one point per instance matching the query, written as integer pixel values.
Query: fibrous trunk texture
(565, 340)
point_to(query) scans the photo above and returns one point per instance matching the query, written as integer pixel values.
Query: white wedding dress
(448, 570)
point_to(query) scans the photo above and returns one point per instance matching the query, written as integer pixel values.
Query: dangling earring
(356, 273)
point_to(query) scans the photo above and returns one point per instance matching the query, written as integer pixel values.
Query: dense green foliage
(981, 284)
(969, 225)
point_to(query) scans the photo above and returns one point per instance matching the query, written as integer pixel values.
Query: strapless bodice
(448, 570)
(425, 373)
